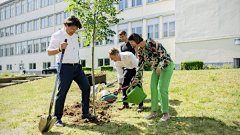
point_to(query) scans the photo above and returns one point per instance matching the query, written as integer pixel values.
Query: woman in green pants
(155, 54)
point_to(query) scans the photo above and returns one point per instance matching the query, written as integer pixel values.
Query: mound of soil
(74, 113)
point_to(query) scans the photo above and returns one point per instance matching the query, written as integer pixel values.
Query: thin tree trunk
(93, 76)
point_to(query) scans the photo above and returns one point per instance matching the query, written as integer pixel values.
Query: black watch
(59, 50)
(120, 83)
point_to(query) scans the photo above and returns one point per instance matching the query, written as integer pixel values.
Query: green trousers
(159, 88)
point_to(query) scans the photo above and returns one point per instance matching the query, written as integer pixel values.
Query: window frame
(32, 66)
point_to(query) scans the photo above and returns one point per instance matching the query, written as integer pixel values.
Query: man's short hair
(122, 32)
(113, 51)
(72, 20)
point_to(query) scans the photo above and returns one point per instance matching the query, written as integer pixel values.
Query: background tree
(96, 17)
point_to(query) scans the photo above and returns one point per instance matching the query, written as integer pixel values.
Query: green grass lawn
(201, 102)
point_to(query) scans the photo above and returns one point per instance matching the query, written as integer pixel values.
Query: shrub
(86, 68)
(210, 66)
(106, 68)
(191, 65)
(227, 66)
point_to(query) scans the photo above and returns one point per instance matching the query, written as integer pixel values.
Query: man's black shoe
(88, 116)
(59, 123)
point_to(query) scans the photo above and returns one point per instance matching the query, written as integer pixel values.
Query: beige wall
(205, 30)
(211, 51)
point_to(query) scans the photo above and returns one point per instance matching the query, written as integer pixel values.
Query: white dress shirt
(128, 60)
(72, 50)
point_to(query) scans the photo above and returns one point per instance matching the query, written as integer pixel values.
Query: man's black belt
(70, 64)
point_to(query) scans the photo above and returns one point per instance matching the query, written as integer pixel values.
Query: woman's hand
(158, 71)
(135, 81)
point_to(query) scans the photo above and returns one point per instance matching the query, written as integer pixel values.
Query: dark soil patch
(74, 113)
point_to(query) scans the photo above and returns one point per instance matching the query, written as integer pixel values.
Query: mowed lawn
(201, 102)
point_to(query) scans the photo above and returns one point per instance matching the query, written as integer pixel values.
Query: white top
(128, 60)
(71, 52)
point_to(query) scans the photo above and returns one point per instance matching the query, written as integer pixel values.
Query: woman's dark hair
(135, 37)
(73, 21)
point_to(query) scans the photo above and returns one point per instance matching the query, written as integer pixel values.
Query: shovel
(46, 123)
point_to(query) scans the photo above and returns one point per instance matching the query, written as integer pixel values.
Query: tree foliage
(96, 17)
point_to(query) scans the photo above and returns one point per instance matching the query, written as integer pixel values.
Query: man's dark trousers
(69, 73)
(128, 74)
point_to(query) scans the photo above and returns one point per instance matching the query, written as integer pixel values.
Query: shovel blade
(46, 123)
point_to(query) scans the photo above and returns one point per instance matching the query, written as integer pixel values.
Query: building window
(23, 27)
(11, 49)
(59, 0)
(102, 62)
(46, 65)
(18, 48)
(98, 43)
(18, 28)
(32, 65)
(43, 45)
(23, 47)
(59, 18)
(66, 14)
(50, 20)
(2, 14)
(43, 3)
(136, 3)
(150, 1)
(83, 63)
(9, 67)
(137, 28)
(153, 28)
(18, 11)
(111, 39)
(35, 24)
(30, 26)
(0, 67)
(169, 26)
(122, 27)
(11, 30)
(7, 12)
(7, 50)
(24, 5)
(2, 33)
(30, 5)
(50, 2)
(35, 46)
(123, 4)
(35, 4)
(48, 40)
(7, 31)
(29, 47)
(169, 29)
(12, 10)
(1, 51)
(44, 22)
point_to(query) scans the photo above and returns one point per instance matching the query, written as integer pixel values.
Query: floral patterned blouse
(155, 56)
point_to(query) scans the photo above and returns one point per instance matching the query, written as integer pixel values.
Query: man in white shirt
(71, 69)
(126, 46)
(127, 60)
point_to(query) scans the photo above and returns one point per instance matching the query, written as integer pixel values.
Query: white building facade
(27, 25)
(208, 31)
